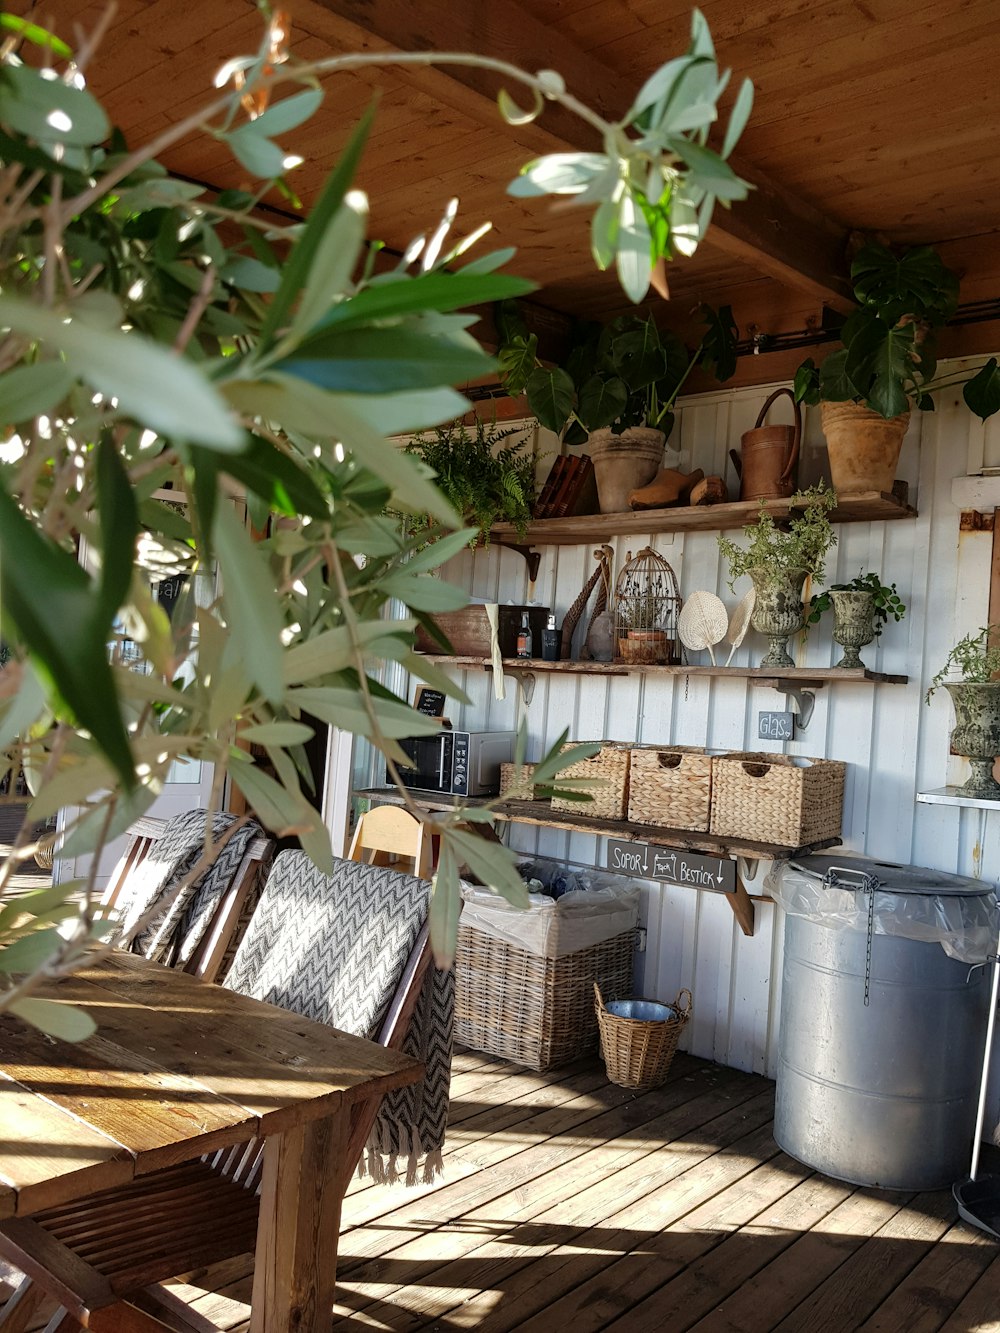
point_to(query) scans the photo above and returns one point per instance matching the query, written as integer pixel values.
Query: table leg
(295, 1268)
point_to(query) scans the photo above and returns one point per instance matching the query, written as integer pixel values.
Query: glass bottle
(524, 637)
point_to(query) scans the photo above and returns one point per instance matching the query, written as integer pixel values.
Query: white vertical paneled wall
(893, 743)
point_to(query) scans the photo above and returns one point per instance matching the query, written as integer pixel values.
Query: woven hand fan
(702, 623)
(740, 622)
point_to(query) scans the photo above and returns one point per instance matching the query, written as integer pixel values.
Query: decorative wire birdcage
(647, 604)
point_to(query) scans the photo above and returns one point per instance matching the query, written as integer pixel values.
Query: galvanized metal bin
(882, 1093)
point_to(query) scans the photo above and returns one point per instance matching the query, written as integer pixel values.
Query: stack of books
(569, 489)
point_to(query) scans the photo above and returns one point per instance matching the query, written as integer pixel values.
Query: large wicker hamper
(530, 1000)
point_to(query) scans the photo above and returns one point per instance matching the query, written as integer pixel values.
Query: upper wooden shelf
(815, 676)
(870, 507)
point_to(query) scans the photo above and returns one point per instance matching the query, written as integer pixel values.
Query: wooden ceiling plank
(782, 237)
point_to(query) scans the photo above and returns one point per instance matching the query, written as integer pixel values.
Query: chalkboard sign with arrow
(671, 865)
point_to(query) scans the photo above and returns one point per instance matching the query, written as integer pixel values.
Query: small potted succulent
(861, 610)
(617, 390)
(976, 696)
(779, 560)
(887, 365)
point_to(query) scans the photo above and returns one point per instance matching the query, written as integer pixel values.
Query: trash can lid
(892, 878)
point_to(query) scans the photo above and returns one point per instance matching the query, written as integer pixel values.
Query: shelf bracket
(805, 701)
(532, 558)
(527, 682)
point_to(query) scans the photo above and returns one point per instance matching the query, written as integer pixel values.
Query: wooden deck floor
(570, 1204)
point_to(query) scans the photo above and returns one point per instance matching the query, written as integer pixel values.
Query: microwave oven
(458, 763)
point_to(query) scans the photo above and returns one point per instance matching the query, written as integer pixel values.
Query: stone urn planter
(778, 611)
(624, 463)
(977, 734)
(853, 623)
(863, 447)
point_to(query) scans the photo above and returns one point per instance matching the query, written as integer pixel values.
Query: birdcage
(647, 604)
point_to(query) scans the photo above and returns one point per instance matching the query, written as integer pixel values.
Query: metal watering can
(770, 454)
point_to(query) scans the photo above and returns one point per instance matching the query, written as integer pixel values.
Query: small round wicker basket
(638, 1050)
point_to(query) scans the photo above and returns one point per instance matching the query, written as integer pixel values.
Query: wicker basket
(638, 1052)
(610, 766)
(671, 786)
(515, 782)
(776, 798)
(532, 1010)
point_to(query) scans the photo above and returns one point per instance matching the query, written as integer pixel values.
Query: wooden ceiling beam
(778, 234)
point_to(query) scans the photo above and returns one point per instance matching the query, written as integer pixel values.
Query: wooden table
(179, 1068)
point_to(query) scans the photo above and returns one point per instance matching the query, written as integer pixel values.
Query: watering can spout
(737, 463)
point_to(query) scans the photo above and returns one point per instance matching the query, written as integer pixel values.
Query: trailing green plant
(976, 658)
(802, 542)
(484, 479)
(626, 373)
(160, 352)
(888, 360)
(885, 598)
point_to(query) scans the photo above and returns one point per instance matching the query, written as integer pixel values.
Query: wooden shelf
(870, 507)
(541, 815)
(814, 676)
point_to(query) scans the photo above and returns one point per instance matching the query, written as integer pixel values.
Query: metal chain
(871, 885)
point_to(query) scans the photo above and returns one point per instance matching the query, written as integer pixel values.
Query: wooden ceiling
(878, 117)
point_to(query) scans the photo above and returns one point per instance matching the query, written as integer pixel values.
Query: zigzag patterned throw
(157, 920)
(334, 949)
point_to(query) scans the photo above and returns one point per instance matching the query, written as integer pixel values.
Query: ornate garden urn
(778, 611)
(853, 623)
(977, 734)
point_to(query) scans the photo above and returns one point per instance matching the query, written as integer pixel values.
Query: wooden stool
(386, 834)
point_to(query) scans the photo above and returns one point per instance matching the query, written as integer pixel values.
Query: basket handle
(600, 999)
(684, 1012)
(750, 765)
(668, 760)
(797, 437)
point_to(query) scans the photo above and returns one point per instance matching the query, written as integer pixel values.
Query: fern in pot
(779, 560)
(976, 697)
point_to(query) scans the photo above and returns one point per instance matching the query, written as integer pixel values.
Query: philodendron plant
(161, 352)
(888, 360)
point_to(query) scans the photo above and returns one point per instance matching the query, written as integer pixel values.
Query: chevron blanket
(334, 949)
(157, 920)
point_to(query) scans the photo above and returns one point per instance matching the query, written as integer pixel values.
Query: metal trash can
(882, 1030)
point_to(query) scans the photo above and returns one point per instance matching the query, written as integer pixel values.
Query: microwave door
(430, 762)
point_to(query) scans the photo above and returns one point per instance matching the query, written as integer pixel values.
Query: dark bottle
(550, 641)
(524, 644)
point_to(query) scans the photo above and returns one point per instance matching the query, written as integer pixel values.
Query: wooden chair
(208, 957)
(388, 833)
(102, 1257)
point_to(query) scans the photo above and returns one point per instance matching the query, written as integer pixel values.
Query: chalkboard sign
(776, 726)
(672, 865)
(430, 702)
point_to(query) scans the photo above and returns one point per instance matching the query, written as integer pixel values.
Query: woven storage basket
(610, 765)
(515, 782)
(637, 1052)
(532, 1010)
(775, 798)
(672, 786)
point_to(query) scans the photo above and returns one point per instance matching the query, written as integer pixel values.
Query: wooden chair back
(388, 834)
(207, 959)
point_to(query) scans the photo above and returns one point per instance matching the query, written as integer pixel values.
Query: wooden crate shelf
(869, 507)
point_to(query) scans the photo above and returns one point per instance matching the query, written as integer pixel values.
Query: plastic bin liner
(590, 907)
(962, 915)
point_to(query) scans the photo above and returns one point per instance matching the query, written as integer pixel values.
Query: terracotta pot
(624, 463)
(863, 447)
(642, 645)
(977, 734)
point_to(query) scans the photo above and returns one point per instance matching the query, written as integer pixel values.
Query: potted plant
(976, 696)
(616, 391)
(486, 479)
(861, 610)
(779, 560)
(887, 365)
